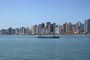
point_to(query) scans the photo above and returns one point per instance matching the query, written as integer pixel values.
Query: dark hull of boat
(48, 37)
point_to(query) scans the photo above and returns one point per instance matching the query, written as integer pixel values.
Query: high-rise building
(53, 27)
(28, 32)
(67, 28)
(3, 32)
(87, 26)
(22, 30)
(48, 28)
(17, 31)
(13, 31)
(10, 31)
(39, 29)
(78, 26)
(60, 29)
(43, 29)
(74, 29)
(34, 29)
(57, 30)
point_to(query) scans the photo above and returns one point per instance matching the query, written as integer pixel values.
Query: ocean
(28, 47)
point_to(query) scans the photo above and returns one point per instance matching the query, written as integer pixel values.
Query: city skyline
(18, 13)
(50, 28)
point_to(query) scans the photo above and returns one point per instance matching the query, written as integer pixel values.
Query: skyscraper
(10, 31)
(64, 26)
(3, 32)
(27, 31)
(60, 29)
(57, 30)
(17, 31)
(22, 30)
(53, 27)
(80, 27)
(34, 29)
(48, 28)
(87, 26)
(74, 29)
(67, 28)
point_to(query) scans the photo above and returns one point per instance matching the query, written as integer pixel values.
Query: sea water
(27, 47)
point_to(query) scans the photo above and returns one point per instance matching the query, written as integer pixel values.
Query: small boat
(47, 36)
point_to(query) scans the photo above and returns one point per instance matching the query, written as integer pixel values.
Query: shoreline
(49, 34)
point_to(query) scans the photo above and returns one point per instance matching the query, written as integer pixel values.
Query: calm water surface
(32, 48)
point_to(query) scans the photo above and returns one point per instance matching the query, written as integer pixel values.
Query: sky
(18, 13)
